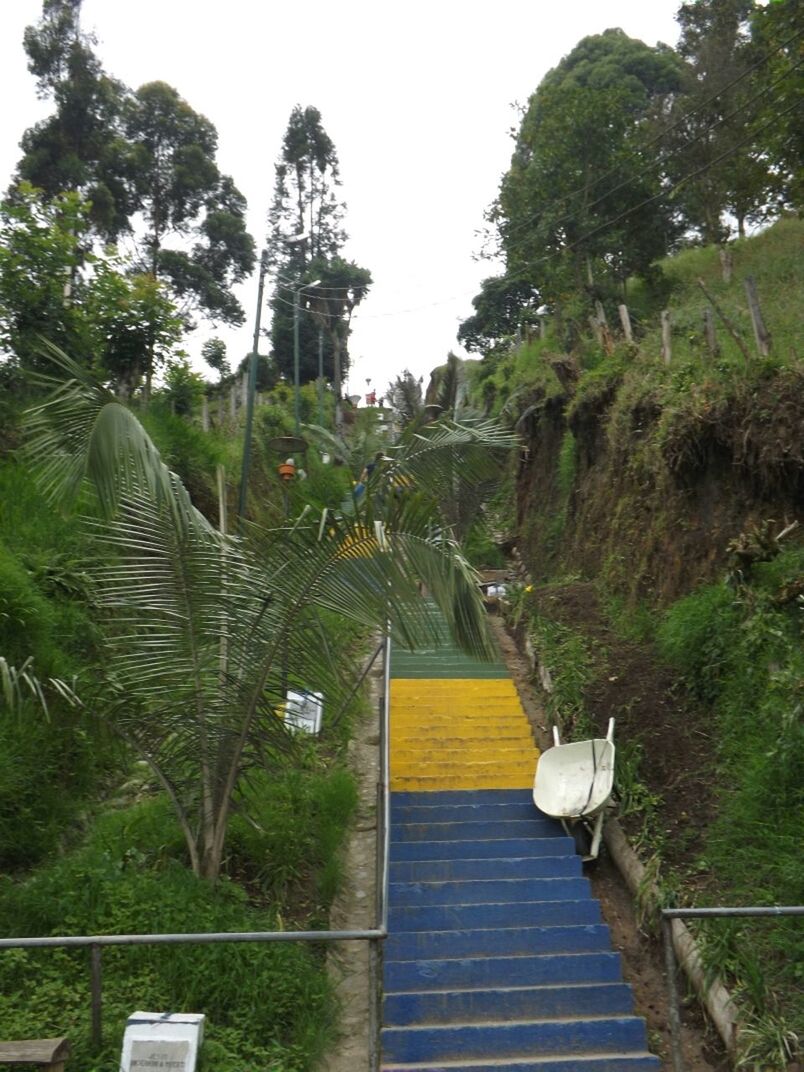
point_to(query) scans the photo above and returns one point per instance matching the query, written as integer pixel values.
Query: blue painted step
(474, 831)
(554, 866)
(475, 850)
(429, 798)
(616, 1062)
(465, 917)
(451, 813)
(527, 1002)
(500, 941)
(470, 973)
(556, 1037)
(490, 891)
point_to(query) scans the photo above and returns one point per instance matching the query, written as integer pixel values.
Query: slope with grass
(648, 500)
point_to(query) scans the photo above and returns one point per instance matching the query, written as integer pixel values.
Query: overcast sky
(417, 98)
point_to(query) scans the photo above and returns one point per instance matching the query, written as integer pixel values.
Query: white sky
(416, 97)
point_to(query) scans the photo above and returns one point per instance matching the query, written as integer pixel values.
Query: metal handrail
(667, 917)
(373, 935)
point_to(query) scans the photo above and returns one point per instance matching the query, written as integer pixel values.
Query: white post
(667, 346)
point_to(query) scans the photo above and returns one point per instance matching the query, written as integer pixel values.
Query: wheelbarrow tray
(574, 780)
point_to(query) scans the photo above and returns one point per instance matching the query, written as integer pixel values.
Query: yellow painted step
(413, 783)
(422, 688)
(463, 739)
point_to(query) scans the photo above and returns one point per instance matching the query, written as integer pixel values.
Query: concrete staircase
(497, 958)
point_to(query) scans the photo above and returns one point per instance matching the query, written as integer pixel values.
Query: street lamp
(296, 310)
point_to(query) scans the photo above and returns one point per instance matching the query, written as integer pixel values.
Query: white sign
(303, 711)
(162, 1042)
(165, 1056)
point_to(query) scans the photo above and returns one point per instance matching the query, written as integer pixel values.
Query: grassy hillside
(647, 502)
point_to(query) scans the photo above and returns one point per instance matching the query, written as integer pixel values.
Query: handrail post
(375, 1005)
(97, 995)
(672, 992)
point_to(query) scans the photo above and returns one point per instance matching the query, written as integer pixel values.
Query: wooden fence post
(205, 413)
(709, 331)
(233, 401)
(667, 345)
(625, 320)
(597, 329)
(732, 330)
(761, 333)
(725, 263)
(600, 313)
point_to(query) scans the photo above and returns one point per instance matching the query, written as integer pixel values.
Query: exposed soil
(651, 709)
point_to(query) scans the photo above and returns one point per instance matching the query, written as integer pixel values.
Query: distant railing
(374, 935)
(668, 915)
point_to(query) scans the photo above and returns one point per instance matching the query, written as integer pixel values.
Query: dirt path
(354, 905)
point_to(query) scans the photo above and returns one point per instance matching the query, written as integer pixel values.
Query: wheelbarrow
(574, 783)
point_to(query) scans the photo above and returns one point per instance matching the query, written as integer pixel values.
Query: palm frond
(81, 435)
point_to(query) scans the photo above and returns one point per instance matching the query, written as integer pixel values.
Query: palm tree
(206, 632)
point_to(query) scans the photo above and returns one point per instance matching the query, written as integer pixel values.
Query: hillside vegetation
(648, 498)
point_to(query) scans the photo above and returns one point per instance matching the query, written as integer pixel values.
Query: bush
(268, 1005)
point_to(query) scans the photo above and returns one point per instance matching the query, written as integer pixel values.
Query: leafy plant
(219, 628)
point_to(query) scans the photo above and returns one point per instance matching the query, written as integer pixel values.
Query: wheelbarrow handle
(610, 734)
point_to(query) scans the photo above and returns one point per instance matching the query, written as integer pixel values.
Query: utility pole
(252, 387)
(321, 377)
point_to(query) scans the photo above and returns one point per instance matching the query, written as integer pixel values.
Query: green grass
(267, 1005)
(740, 649)
(570, 660)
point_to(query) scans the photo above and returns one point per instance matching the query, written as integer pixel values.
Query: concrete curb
(715, 997)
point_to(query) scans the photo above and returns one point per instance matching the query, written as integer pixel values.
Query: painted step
(451, 796)
(449, 714)
(614, 1062)
(520, 1003)
(492, 777)
(433, 766)
(455, 759)
(488, 849)
(488, 891)
(454, 744)
(469, 917)
(456, 813)
(549, 1038)
(475, 973)
(497, 941)
(558, 866)
(484, 830)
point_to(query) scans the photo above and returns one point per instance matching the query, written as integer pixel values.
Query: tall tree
(184, 197)
(499, 310)
(776, 48)
(305, 243)
(581, 201)
(707, 122)
(306, 199)
(80, 146)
